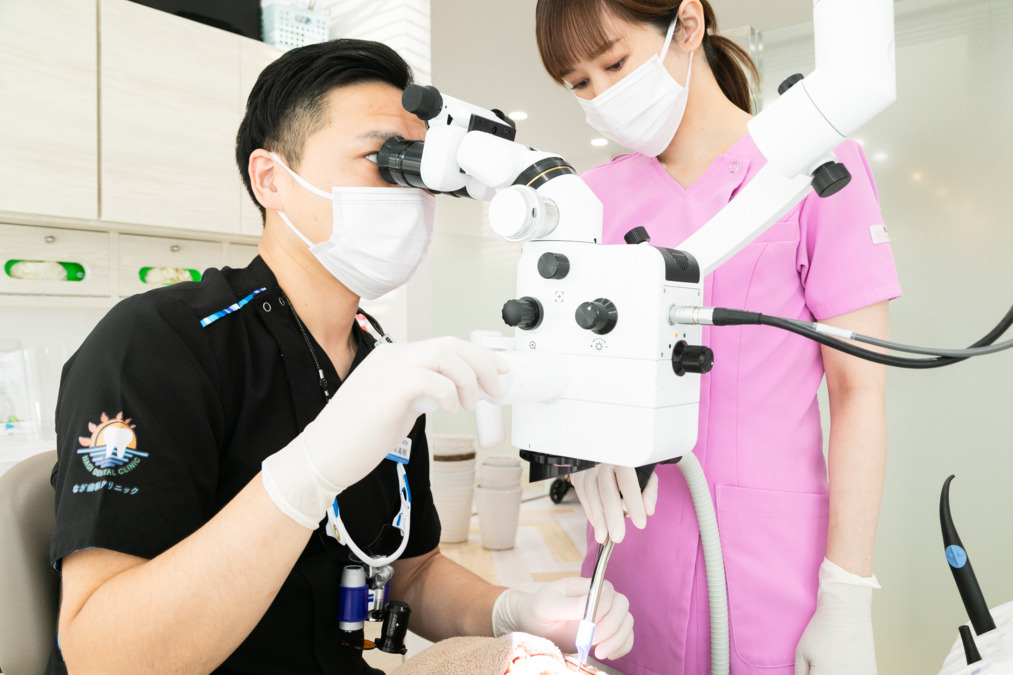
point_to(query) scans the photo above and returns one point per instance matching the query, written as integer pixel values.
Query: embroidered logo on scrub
(110, 451)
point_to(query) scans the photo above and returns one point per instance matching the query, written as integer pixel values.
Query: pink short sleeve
(844, 256)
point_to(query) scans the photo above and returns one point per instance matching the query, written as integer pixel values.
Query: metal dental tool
(585, 633)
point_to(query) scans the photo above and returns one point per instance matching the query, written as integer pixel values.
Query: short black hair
(287, 103)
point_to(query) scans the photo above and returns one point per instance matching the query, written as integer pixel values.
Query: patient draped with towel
(510, 654)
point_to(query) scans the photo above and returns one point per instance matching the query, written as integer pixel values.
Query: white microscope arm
(854, 80)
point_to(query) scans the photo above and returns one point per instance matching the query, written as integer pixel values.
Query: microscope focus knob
(599, 316)
(688, 358)
(830, 178)
(638, 235)
(525, 313)
(423, 101)
(553, 266)
(789, 82)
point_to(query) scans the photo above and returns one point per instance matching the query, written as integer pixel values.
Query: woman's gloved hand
(608, 493)
(838, 639)
(370, 414)
(555, 610)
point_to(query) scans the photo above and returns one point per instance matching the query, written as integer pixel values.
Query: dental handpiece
(585, 632)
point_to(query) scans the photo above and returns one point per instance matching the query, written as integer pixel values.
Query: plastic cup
(494, 475)
(454, 508)
(498, 512)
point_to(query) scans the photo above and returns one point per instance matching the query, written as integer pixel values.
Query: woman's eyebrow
(607, 45)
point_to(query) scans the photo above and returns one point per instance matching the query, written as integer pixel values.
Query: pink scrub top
(760, 441)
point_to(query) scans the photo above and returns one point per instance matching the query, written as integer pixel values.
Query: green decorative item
(44, 270)
(166, 276)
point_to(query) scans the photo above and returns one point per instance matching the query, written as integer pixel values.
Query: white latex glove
(608, 492)
(838, 639)
(369, 415)
(554, 612)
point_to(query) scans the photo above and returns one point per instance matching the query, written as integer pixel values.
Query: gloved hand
(608, 492)
(369, 415)
(554, 612)
(838, 639)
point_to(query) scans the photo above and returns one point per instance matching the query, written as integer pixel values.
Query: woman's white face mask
(643, 110)
(379, 235)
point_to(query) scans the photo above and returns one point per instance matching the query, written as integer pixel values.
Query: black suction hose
(737, 317)
(960, 566)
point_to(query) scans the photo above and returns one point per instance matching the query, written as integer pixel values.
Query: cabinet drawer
(52, 261)
(241, 255)
(149, 262)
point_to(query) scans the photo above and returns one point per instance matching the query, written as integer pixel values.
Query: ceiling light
(599, 142)
(518, 115)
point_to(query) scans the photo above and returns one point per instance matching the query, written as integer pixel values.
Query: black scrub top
(166, 412)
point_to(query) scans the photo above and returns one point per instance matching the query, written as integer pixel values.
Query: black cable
(733, 317)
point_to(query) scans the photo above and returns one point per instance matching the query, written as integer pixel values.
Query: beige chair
(29, 588)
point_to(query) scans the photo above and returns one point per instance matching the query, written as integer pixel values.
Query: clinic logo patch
(111, 450)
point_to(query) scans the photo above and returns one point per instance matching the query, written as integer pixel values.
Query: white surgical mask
(378, 236)
(643, 110)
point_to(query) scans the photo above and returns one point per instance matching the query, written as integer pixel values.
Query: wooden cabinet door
(168, 92)
(48, 108)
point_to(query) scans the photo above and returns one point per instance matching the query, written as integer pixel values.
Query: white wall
(939, 155)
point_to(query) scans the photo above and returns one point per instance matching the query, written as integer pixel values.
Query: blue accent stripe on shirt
(208, 320)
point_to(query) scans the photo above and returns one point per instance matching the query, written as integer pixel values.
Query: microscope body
(605, 374)
(604, 322)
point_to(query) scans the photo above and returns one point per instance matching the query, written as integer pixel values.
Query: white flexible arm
(854, 80)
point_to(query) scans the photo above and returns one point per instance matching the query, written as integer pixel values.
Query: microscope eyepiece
(400, 162)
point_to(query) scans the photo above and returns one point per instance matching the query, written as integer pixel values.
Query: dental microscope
(606, 354)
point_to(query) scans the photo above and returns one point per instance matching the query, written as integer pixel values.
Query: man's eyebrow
(376, 135)
(605, 46)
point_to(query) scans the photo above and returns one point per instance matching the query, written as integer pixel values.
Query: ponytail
(733, 69)
(732, 66)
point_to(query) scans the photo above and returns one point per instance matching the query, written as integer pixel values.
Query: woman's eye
(579, 85)
(617, 65)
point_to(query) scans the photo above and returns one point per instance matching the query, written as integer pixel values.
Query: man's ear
(691, 16)
(264, 175)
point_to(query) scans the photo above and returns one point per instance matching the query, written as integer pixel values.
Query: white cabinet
(253, 57)
(168, 90)
(48, 108)
(240, 255)
(53, 261)
(149, 262)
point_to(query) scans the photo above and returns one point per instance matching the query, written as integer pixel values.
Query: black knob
(688, 358)
(789, 82)
(553, 265)
(830, 178)
(525, 313)
(638, 235)
(395, 627)
(599, 316)
(424, 102)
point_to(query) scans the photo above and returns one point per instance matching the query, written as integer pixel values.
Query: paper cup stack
(452, 480)
(498, 498)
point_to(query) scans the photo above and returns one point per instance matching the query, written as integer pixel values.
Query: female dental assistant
(653, 76)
